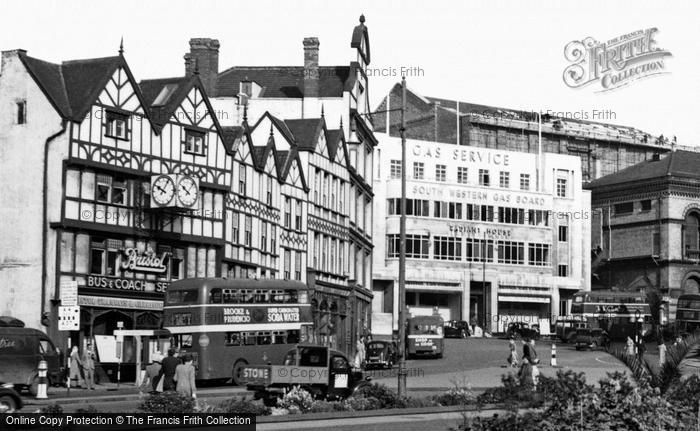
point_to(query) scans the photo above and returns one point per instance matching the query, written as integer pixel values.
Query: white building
(527, 214)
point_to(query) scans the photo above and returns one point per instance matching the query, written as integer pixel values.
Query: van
(21, 349)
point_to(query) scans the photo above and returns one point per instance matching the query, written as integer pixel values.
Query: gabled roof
(334, 139)
(306, 132)
(230, 134)
(151, 88)
(284, 81)
(73, 86)
(684, 164)
(293, 156)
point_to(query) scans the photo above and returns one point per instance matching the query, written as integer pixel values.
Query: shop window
(117, 125)
(194, 143)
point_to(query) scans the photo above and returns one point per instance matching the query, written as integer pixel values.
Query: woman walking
(75, 368)
(184, 376)
(630, 347)
(513, 353)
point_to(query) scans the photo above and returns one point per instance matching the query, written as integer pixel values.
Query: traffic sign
(69, 293)
(68, 318)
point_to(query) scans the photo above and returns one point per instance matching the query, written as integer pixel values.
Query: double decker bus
(424, 336)
(688, 313)
(229, 323)
(615, 312)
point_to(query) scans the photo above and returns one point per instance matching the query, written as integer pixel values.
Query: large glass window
(416, 246)
(538, 254)
(447, 248)
(414, 207)
(511, 252)
(451, 210)
(511, 215)
(478, 250)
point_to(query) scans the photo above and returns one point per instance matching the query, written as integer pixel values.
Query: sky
(500, 53)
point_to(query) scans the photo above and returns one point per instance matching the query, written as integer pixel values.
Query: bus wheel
(7, 404)
(238, 371)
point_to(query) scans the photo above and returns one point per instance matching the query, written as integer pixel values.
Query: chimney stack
(203, 59)
(311, 74)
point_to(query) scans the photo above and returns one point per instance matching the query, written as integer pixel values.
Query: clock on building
(163, 190)
(187, 191)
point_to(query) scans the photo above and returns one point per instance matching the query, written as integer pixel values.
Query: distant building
(493, 236)
(602, 147)
(646, 226)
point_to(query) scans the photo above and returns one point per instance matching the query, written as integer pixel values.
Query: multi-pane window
(478, 250)
(563, 270)
(462, 175)
(440, 173)
(287, 212)
(117, 125)
(561, 187)
(480, 212)
(511, 215)
(504, 180)
(447, 248)
(563, 233)
(110, 190)
(624, 208)
(646, 205)
(273, 239)
(524, 181)
(451, 210)
(104, 256)
(416, 246)
(484, 177)
(194, 142)
(248, 231)
(538, 254)
(511, 252)
(324, 254)
(263, 236)
(297, 265)
(538, 218)
(268, 199)
(242, 179)
(414, 207)
(395, 169)
(326, 187)
(341, 197)
(297, 215)
(236, 231)
(418, 170)
(21, 107)
(287, 263)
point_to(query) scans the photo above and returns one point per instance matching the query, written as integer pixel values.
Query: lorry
(323, 372)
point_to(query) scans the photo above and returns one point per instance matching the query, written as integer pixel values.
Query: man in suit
(89, 367)
(168, 370)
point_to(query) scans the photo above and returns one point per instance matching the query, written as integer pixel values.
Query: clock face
(187, 191)
(163, 190)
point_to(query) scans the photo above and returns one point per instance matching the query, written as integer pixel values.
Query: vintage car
(21, 350)
(381, 354)
(456, 329)
(323, 372)
(523, 330)
(10, 401)
(591, 338)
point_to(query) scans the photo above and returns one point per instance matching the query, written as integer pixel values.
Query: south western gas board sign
(242, 314)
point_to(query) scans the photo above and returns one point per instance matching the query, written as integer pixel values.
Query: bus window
(290, 358)
(215, 296)
(279, 337)
(264, 338)
(182, 296)
(233, 339)
(249, 338)
(292, 336)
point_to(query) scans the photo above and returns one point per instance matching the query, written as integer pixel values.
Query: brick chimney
(203, 58)
(311, 74)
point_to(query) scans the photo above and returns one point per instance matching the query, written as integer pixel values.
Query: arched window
(691, 235)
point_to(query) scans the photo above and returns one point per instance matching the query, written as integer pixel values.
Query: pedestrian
(360, 352)
(75, 368)
(513, 353)
(89, 367)
(167, 371)
(184, 376)
(662, 353)
(153, 378)
(629, 347)
(529, 372)
(679, 340)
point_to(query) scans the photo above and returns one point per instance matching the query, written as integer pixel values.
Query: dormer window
(247, 88)
(117, 125)
(194, 142)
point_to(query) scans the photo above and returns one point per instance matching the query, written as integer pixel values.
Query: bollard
(43, 381)
(553, 362)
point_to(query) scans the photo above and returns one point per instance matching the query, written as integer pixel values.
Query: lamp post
(638, 336)
(402, 251)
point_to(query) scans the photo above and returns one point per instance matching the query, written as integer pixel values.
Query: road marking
(604, 362)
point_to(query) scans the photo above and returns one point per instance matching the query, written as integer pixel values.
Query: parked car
(323, 372)
(523, 330)
(381, 354)
(591, 338)
(565, 327)
(456, 329)
(10, 401)
(21, 350)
